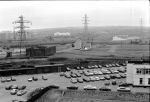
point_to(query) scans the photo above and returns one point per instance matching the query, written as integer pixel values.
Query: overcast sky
(52, 14)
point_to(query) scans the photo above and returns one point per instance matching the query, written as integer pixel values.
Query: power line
(21, 31)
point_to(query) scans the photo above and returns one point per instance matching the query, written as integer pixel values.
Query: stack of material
(40, 51)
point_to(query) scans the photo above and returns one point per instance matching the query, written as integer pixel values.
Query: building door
(141, 81)
(148, 81)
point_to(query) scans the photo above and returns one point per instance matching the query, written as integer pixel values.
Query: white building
(138, 73)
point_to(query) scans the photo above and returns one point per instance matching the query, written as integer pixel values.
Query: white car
(13, 91)
(30, 80)
(90, 87)
(124, 89)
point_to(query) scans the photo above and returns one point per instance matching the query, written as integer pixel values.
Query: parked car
(104, 89)
(114, 82)
(44, 78)
(54, 86)
(107, 77)
(62, 74)
(121, 70)
(107, 83)
(80, 80)
(30, 80)
(8, 80)
(22, 87)
(8, 87)
(78, 74)
(34, 78)
(14, 87)
(73, 75)
(80, 71)
(68, 69)
(67, 75)
(13, 91)
(118, 76)
(73, 80)
(21, 92)
(124, 85)
(97, 78)
(86, 79)
(124, 89)
(102, 78)
(3, 80)
(92, 78)
(72, 87)
(123, 75)
(90, 87)
(112, 76)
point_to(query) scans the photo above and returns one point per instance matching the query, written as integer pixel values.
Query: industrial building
(40, 51)
(138, 73)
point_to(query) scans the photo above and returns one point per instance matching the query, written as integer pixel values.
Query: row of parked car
(36, 79)
(3, 80)
(16, 90)
(97, 66)
(91, 87)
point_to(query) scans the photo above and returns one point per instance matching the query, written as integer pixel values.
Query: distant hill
(98, 33)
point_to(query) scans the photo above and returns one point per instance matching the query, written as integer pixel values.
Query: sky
(53, 14)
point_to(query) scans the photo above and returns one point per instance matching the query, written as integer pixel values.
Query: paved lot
(53, 79)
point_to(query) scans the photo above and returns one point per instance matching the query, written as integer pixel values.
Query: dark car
(35, 79)
(114, 82)
(72, 87)
(123, 75)
(21, 87)
(54, 86)
(107, 83)
(44, 78)
(104, 89)
(86, 79)
(112, 76)
(122, 70)
(8, 87)
(124, 85)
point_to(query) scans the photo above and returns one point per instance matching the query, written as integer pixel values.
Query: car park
(104, 89)
(73, 80)
(90, 87)
(123, 89)
(72, 87)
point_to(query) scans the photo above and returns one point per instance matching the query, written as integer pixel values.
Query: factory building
(138, 73)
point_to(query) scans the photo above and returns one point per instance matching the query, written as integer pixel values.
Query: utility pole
(85, 24)
(21, 31)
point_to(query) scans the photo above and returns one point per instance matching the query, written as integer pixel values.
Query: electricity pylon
(21, 31)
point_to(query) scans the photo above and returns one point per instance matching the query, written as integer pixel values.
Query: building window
(148, 81)
(141, 81)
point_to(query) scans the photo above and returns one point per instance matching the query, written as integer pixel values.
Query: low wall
(92, 96)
